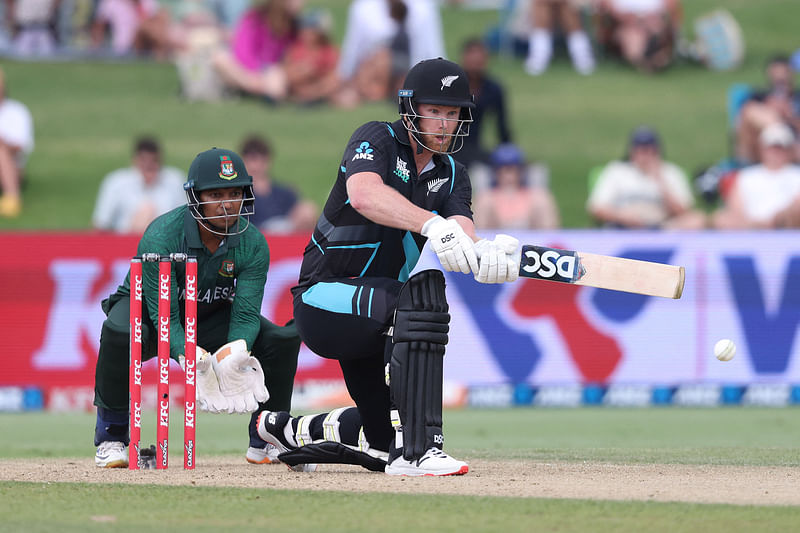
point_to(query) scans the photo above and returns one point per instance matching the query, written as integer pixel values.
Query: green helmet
(219, 169)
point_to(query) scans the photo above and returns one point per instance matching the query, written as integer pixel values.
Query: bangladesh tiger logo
(226, 269)
(227, 172)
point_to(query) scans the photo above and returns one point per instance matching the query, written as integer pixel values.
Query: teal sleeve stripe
(390, 129)
(453, 172)
(342, 168)
(334, 297)
(369, 307)
(412, 256)
(358, 300)
(317, 244)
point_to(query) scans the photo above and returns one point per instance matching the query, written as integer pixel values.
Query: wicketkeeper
(248, 356)
(397, 188)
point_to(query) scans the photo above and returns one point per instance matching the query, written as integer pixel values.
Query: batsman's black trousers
(347, 319)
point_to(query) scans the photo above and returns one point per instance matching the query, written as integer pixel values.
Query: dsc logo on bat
(548, 263)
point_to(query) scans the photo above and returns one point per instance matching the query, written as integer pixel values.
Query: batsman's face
(221, 207)
(437, 124)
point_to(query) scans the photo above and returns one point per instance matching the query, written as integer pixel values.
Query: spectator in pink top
(261, 37)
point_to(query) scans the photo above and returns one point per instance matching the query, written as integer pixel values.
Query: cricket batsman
(397, 187)
(232, 260)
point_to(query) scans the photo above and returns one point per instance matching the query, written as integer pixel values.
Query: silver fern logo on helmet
(447, 81)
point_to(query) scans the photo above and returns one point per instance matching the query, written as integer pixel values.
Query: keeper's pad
(327, 452)
(421, 323)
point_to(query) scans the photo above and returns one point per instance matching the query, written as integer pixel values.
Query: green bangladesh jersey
(230, 282)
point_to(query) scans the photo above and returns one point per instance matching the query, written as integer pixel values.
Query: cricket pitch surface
(741, 485)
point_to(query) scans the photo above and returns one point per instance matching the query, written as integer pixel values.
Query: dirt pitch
(599, 481)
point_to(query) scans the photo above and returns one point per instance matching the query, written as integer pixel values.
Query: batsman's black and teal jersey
(240, 263)
(353, 268)
(346, 244)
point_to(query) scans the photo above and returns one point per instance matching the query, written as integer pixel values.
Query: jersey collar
(401, 134)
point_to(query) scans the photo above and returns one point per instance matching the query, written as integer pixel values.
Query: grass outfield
(723, 436)
(738, 436)
(48, 507)
(86, 115)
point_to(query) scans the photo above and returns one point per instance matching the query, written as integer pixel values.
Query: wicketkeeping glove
(241, 379)
(455, 250)
(209, 398)
(498, 259)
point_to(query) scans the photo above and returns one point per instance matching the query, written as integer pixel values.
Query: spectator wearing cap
(644, 191)
(766, 195)
(514, 201)
(278, 208)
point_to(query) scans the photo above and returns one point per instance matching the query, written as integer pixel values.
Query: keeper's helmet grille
(218, 168)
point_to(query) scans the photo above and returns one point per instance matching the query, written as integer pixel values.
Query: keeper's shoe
(271, 428)
(264, 455)
(111, 454)
(434, 463)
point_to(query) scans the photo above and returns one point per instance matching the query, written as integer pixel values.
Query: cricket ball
(724, 349)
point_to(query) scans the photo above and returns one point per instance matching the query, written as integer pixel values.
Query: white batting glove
(491, 261)
(509, 245)
(209, 397)
(498, 258)
(455, 250)
(241, 379)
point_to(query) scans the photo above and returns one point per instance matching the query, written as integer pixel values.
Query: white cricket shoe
(434, 463)
(263, 456)
(111, 454)
(271, 428)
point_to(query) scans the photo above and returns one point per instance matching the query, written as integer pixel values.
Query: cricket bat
(601, 271)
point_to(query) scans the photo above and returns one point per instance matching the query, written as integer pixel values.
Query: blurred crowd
(282, 51)
(131, 197)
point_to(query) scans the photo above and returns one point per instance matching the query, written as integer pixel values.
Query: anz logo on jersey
(363, 152)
